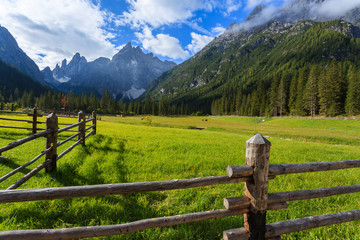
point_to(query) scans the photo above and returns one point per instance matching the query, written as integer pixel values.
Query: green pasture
(128, 149)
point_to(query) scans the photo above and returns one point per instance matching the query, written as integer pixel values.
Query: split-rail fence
(51, 144)
(255, 173)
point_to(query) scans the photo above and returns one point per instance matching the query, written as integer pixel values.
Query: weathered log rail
(33, 121)
(253, 205)
(51, 134)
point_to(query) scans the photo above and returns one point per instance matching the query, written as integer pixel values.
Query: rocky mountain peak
(257, 10)
(11, 53)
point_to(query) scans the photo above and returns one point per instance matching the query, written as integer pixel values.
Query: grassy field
(130, 150)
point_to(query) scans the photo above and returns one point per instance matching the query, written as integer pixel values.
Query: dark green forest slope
(304, 68)
(13, 84)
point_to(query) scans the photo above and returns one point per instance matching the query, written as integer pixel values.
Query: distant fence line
(254, 204)
(51, 134)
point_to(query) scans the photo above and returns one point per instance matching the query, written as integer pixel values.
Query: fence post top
(34, 108)
(51, 116)
(258, 139)
(81, 113)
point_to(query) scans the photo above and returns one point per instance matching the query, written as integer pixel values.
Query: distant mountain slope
(12, 54)
(11, 78)
(236, 62)
(126, 75)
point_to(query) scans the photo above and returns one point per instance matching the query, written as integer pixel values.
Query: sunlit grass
(129, 150)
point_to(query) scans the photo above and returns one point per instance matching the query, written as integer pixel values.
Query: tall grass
(129, 150)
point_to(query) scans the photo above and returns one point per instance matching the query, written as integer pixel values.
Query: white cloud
(161, 44)
(218, 30)
(156, 13)
(334, 9)
(162, 12)
(198, 42)
(49, 31)
(250, 4)
(232, 6)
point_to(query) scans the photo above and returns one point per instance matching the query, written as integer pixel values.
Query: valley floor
(130, 149)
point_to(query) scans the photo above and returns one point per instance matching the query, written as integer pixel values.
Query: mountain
(244, 61)
(12, 54)
(12, 78)
(125, 76)
(63, 73)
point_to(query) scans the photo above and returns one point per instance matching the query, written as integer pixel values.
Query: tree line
(317, 90)
(71, 103)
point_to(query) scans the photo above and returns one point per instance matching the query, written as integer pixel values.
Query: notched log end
(238, 234)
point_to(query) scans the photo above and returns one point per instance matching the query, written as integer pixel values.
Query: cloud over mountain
(317, 10)
(56, 29)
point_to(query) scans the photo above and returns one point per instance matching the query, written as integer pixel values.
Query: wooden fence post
(81, 129)
(51, 141)
(12, 107)
(257, 156)
(94, 121)
(34, 123)
(2, 106)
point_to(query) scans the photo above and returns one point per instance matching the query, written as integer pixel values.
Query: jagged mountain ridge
(11, 53)
(295, 11)
(203, 78)
(126, 75)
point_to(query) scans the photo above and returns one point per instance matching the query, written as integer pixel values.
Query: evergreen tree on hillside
(148, 104)
(283, 93)
(293, 95)
(104, 102)
(311, 91)
(299, 102)
(330, 90)
(352, 106)
(274, 100)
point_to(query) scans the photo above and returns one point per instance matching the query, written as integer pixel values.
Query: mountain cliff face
(12, 54)
(126, 75)
(256, 49)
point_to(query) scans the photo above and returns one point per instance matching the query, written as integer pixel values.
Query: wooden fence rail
(50, 152)
(34, 120)
(254, 204)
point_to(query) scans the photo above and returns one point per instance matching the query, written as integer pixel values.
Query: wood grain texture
(257, 156)
(300, 224)
(279, 169)
(112, 189)
(110, 230)
(51, 142)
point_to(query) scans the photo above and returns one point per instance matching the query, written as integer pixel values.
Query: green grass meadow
(130, 150)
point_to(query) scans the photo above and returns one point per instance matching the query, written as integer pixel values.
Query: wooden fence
(34, 121)
(253, 205)
(51, 134)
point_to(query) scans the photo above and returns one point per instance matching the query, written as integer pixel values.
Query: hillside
(12, 79)
(238, 65)
(11, 53)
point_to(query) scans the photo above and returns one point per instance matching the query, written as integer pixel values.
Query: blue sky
(51, 30)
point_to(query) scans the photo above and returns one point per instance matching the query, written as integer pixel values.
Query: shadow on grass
(8, 135)
(10, 162)
(101, 161)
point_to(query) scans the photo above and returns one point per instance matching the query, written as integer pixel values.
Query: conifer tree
(274, 100)
(330, 90)
(299, 103)
(148, 104)
(352, 106)
(311, 91)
